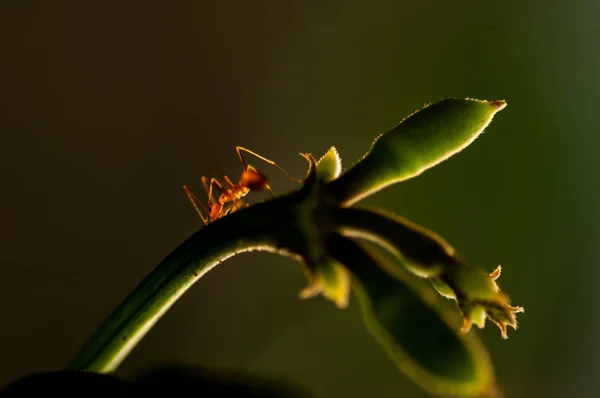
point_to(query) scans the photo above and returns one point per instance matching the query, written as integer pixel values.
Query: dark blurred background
(108, 108)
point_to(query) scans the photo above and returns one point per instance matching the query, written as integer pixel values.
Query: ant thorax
(254, 180)
(233, 194)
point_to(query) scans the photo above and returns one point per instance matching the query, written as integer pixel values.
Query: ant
(231, 197)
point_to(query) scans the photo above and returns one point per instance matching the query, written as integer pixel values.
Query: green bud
(419, 142)
(427, 255)
(477, 293)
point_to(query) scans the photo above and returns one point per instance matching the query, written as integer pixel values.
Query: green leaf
(419, 333)
(419, 142)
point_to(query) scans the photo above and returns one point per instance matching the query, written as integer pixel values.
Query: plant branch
(267, 226)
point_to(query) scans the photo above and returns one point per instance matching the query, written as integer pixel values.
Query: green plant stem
(423, 251)
(260, 227)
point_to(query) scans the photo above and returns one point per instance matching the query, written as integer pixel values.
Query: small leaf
(419, 142)
(420, 334)
(329, 167)
(331, 279)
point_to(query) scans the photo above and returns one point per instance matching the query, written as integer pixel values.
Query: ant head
(254, 180)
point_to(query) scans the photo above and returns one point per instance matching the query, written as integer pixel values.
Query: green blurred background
(108, 108)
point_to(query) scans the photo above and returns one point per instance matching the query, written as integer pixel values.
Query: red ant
(231, 197)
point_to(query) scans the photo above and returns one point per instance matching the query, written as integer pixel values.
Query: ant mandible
(231, 197)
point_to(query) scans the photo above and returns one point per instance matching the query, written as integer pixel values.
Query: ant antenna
(272, 163)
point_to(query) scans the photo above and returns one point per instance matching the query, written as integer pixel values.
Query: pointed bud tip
(496, 273)
(498, 105)
(517, 309)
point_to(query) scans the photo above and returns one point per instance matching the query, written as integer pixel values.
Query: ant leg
(211, 199)
(213, 181)
(228, 181)
(272, 163)
(195, 202)
(208, 187)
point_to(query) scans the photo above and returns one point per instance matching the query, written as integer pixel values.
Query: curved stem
(266, 226)
(423, 250)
